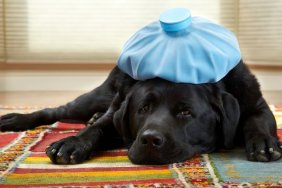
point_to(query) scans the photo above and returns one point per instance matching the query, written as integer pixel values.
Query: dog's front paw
(263, 149)
(70, 150)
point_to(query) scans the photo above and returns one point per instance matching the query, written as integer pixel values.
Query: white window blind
(260, 31)
(88, 30)
(1, 31)
(94, 31)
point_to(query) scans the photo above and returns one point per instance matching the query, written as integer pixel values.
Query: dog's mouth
(152, 156)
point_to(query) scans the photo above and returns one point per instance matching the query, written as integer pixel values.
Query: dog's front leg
(76, 149)
(79, 110)
(262, 143)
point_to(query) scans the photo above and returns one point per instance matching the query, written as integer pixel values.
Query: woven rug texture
(23, 163)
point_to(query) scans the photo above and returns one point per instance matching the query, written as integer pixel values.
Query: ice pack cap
(175, 19)
(180, 48)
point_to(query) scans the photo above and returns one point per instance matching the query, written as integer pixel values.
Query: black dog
(162, 122)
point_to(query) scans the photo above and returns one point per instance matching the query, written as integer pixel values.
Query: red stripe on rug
(49, 138)
(100, 169)
(79, 184)
(68, 126)
(7, 139)
(279, 132)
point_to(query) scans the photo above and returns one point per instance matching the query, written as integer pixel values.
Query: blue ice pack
(180, 48)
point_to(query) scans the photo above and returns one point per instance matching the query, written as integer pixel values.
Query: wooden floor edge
(274, 68)
(57, 66)
(99, 66)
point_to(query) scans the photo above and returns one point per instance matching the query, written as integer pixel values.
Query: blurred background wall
(72, 45)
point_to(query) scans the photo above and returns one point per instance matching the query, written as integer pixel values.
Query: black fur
(160, 121)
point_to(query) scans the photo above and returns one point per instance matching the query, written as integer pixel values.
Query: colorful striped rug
(23, 163)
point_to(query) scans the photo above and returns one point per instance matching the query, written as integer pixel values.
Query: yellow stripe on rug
(46, 160)
(94, 174)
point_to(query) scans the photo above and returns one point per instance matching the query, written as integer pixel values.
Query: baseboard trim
(76, 81)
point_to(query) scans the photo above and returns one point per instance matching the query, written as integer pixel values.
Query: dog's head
(164, 122)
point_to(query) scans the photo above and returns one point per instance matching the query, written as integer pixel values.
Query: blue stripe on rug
(232, 166)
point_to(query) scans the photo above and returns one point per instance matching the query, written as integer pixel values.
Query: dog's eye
(144, 109)
(184, 113)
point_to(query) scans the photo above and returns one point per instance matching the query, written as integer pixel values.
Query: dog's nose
(152, 138)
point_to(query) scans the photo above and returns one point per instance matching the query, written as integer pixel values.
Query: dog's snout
(152, 138)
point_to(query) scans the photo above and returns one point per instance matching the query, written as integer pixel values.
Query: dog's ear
(121, 120)
(229, 114)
